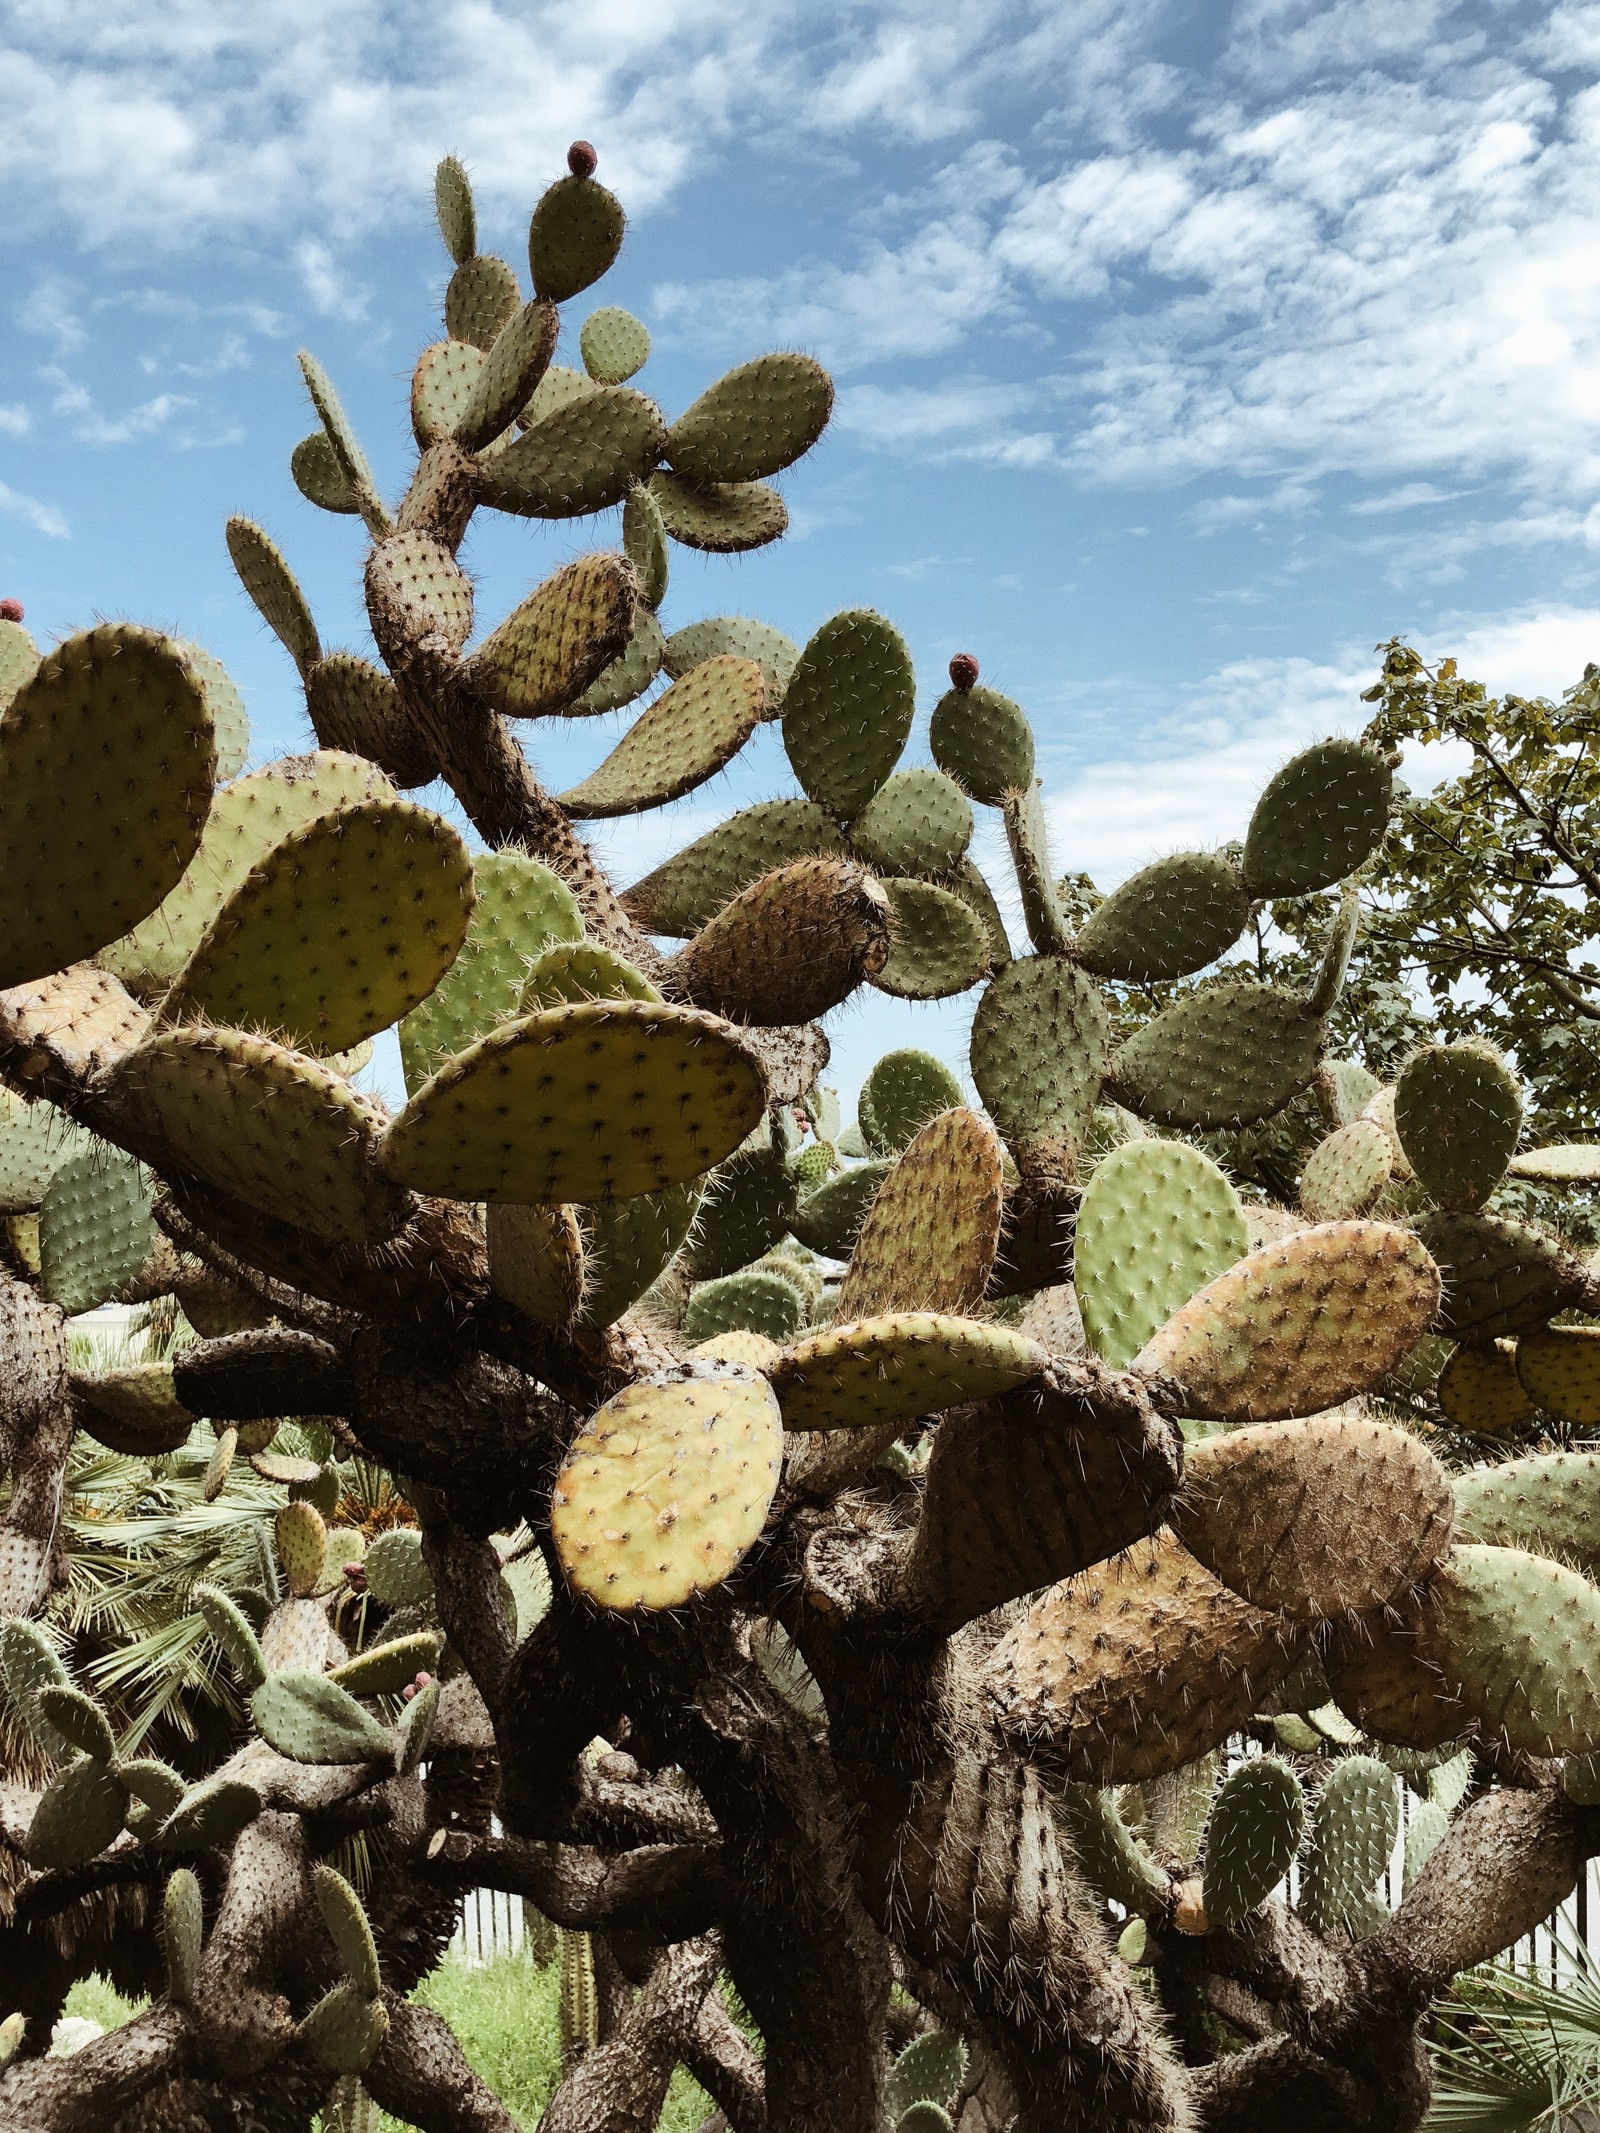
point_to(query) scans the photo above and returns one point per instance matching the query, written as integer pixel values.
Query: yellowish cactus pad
(896, 1367)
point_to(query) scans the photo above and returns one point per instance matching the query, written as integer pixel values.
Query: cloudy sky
(1183, 353)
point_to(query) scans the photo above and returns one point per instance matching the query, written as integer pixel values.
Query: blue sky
(1182, 352)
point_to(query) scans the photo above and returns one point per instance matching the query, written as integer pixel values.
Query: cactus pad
(1479, 1389)
(320, 479)
(1038, 1048)
(929, 1241)
(755, 421)
(1345, 1172)
(575, 235)
(614, 345)
(211, 1813)
(560, 640)
(1333, 1516)
(106, 765)
(628, 675)
(644, 543)
(792, 945)
(183, 1922)
(579, 970)
(387, 1669)
(1227, 1056)
(81, 1813)
(1573, 1163)
(579, 1103)
(19, 659)
(95, 1229)
(311, 1719)
(507, 376)
(395, 1571)
(719, 518)
(626, 1244)
(343, 927)
(1170, 918)
(536, 1260)
(229, 1624)
(584, 456)
(1157, 1221)
(667, 1487)
(1300, 1325)
(1319, 819)
(1458, 1113)
(918, 822)
(269, 1126)
(347, 1926)
(441, 388)
(344, 2032)
(1354, 1828)
(35, 1140)
(693, 885)
(1252, 1838)
(829, 1219)
(1515, 1636)
(1559, 1366)
(1548, 1502)
(939, 946)
(1110, 1856)
(519, 908)
(1500, 1275)
(272, 586)
(481, 296)
(847, 711)
(134, 1409)
(357, 710)
(750, 1302)
(745, 638)
(452, 203)
(901, 1094)
(747, 1207)
(895, 1368)
(230, 722)
(982, 740)
(78, 1719)
(683, 738)
(302, 1541)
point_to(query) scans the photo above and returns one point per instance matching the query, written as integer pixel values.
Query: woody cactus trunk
(940, 1572)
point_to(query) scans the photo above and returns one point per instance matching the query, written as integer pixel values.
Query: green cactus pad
(519, 909)
(1157, 1221)
(579, 1103)
(78, 1719)
(95, 1229)
(1227, 1056)
(829, 1220)
(452, 202)
(272, 586)
(719, 518)
(745, 638)
(35, 1140)
(536, 1260)
(344, 2032)
(929, 1241)
(1136, 1667)
(1345, 1173)
(559, 387)
(1478, 1389)
(317, 474)
(356, 710)
(751, 1302)
(1251, 1839)
(134, 1409)
(481, 296)
(395, 1571)
(416, 1728)
(1298, 1326)
(1354, 1828)
(692, 886)
(311, 1719)
(1038, 1048)
(210, 1813)
(29, 1662)
(1170, 918)
(248, 819)
(626, 1245)
(628, 675)
(1500, 1275)
(1333, 1516)
(918, 822)
(302, 1542)
(584, 456)
(667, 1487)
(1458, 1113)
(1318, 819)
(230, 722)
(939, 945)
(755, 421)
(902, 1093)
(82, 1812)
(1559, 1366)
(749, 1202)
(575, 235)
(1347, 1088)
(343, 927)
(1112, 1859)
(560, 640)
(347, 1926)
(614, 345)
(966, 882)
(897, 1367)
(441, 388)
(1548, 1503)
(984, 741)
(508, 375)
(341, 436)
(1515, 1636)
(19, 659)
(416, 584)
(1573, 1163)
(229, 1624)
(183, 1923)
(929, 2070)
(387, 1669)
(847, 711)
(269, 1126)
(644, 543)
(685, 737)
(106, 764)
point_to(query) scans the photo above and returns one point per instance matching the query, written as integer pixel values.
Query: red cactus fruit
(10, 610)
(581, 159)
(963, 671)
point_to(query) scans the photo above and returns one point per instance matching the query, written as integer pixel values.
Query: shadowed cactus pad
(918, 822)
(667, 1486)
(1038, 1048)
(134, 1409)
(982, 740)
(628, 675)
(894, 1368)
(585, 455)
(929, 1241)
(357, 710)
(751, 1302)
(1500, 1275)
(747, 1207)
(1458, 1113)
(1346, 1172)
(1170, 918)
(575, 234)
(791, 946)
(692, 886)
(721, 518)
(1559, 1367)
(579, 1103)
(1479, 1389)
(1157, 1221)
(80, 1814)
(1516, 1637)
(898, 1098)
(1252, 1838)
(341, 928)
(1548, 1502)
(626, 1245)
(35, 1140)
(683, 738)
(745, 638)
(829, 1219)
(1227, 1056)
(939, 944)
(1298, 1326)
(107, 757)
(507, 376)
(1381, 1679)
(755, 421)
(1111, 1857)
(560, 640)
(848, 709)
(536, 1260)
(1318, 819)
(1319, 1518)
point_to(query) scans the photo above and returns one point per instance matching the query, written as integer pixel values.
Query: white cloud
(329, 289)
(15, 420)
(90, 426)
(43, 518)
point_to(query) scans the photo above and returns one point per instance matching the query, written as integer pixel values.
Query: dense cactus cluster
(966, 1575)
